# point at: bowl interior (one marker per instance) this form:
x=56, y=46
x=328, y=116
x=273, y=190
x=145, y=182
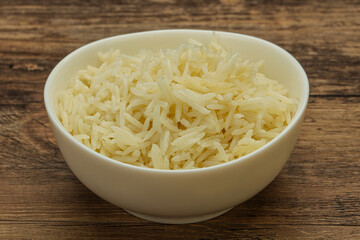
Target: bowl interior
x=278, y=64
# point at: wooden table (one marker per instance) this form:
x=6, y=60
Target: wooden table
x=316, y=196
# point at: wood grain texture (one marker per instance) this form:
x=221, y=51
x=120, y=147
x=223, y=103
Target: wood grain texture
x=316, y=196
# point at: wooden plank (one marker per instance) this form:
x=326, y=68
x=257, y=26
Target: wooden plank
x=317, y=232
x=131, y=230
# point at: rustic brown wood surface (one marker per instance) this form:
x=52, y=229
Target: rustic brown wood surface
x=316, y=196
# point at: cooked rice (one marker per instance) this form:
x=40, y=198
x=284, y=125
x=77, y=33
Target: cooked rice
x=191, y=107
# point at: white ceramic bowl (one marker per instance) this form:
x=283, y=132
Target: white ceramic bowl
x=180, y=196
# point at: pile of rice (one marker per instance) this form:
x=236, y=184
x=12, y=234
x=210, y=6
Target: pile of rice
x=191, y=107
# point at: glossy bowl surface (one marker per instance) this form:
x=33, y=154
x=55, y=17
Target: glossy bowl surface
x=180, y=196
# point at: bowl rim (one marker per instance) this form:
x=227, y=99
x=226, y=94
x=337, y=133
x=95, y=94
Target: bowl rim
x=56, y=123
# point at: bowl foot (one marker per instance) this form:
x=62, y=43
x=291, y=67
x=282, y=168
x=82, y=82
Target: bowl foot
x=178, y=220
